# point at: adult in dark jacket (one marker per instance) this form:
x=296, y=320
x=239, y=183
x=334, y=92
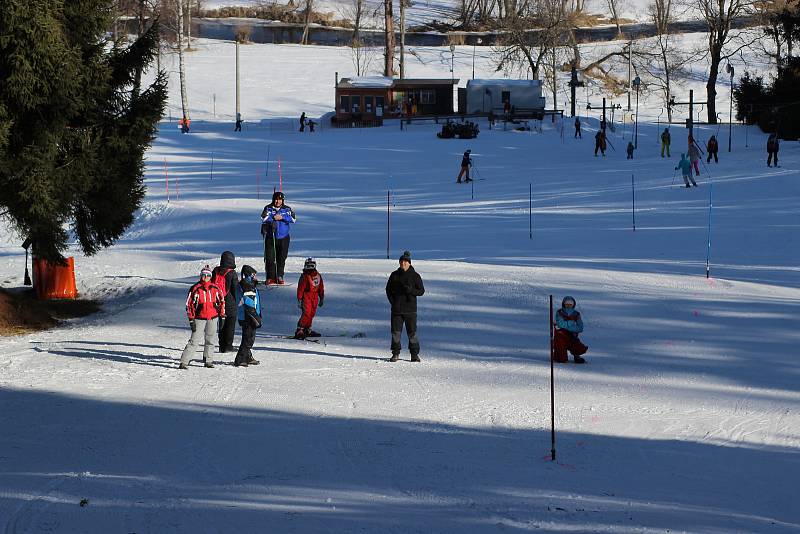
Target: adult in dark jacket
x=466, y=163
x=402, y=290
x=712, y=149
x=275, y=220
x=773, y=145
x=227, y=271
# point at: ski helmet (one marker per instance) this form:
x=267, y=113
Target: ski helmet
x=569, y=300
x=248, y=271
x=278, y=195
x=310, y=264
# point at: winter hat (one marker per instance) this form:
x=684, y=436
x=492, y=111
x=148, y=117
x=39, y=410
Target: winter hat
x=278, y=195
x=248, y=271
x=309, y=265
x=406, y=256
x=227, y=260
x=566, y=300
x=205, y=271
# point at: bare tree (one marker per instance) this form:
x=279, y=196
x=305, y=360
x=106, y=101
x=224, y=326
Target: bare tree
x=354, y=11
x=171, y=13
x=362, y=56
x=613, y=9
x=719, y=16
x=308, y=9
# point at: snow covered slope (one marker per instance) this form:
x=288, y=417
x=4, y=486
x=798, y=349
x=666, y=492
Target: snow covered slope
x=684, y=420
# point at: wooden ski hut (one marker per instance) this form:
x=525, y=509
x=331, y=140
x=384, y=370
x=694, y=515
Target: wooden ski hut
x=367, y=100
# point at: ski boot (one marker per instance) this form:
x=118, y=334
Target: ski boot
x=252, y=361
x=415, y=358
x=300, y=334
x=280, y=281
x=579, y=359
x=394, y=357
x=311, y=333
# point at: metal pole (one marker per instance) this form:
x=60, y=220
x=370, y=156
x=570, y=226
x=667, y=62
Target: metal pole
x=237, y=79
x=402, y=39
x=630, y=51
x=388, y=220
x=552, y=394
x=710, y=206
x=636, y=139
x=730, y=113
x=530, y=210
x=473, y=60
x=633, y=203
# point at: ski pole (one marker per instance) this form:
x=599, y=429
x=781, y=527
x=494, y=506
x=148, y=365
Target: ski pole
x=633, y=203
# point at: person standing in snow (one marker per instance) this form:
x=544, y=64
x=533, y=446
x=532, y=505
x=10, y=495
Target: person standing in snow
x=402, y=290
x=665, y=141
x=686, y=171
x=773, y=145
x=275, y=220
x=600, y=142
x=578, y=128
x=238, y=127
x=248, y=315
x=303, y=121
x=204, y=305
x=712, y=147
x=310, y=294
x=694, y=158
x=466, y=163
x=224, y=277
x=568, y=325
x=630, y=150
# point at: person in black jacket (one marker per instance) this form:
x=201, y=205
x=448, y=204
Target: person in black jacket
x=227, y=271
x=402, y=290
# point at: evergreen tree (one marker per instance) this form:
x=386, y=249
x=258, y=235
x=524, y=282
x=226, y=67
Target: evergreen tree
x=74, y=123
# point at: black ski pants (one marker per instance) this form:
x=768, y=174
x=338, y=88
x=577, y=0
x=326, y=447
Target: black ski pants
x=410, y=320
x=712, y=155
x=245, y=354
x=770, y=156
x=227, y=329
x=275, y=252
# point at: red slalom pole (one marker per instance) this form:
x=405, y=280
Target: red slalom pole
x=552, y=394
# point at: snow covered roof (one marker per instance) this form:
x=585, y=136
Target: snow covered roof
x=494, y=82
x=369, y=81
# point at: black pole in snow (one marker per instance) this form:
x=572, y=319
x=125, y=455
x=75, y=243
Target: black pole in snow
x=530, y=210
x=388, y=220
x=552, y=394
x=212, y=165
x=633, y=204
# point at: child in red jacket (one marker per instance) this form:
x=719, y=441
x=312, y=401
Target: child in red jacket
x=204, y=305
x=310, y=292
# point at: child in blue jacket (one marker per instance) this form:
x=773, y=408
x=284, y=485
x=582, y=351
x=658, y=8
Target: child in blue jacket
x=686, y=170
x=248, y=315
x=568, y=325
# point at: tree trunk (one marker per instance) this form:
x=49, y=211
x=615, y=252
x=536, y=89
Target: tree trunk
x=307, y=21
x=189, y=24
x=181, y=63
x=711, y=85
x=388, y=68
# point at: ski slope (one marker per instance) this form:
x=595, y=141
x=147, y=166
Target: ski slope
x=684, y=420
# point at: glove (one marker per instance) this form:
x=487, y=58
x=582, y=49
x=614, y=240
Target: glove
x=192, y=325
x=300, y=304
x=321, y=301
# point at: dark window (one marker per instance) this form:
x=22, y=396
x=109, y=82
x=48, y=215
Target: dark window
x=356, y=103
x=505, y=96
x=427, y=96
x=368, y=104
x=344, y=103
x=379, y=102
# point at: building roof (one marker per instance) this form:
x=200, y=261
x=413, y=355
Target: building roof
x=384, y=82
x=505, y=82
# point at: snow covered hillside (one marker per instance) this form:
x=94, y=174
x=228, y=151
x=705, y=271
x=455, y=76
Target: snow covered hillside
x=685, y=419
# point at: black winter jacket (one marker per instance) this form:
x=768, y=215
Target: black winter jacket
x=402, y=290
x=228, y=261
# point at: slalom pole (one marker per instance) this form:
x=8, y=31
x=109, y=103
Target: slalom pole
x=552, y=394
x=212, y=165
x=388, y=220
x=177, y=188
x=472, y=189
x=280, y=176
x=258, y=183
x=633, y=203
x=710, y=209
x=266, y=173
x=530, y=210
x=166, y=178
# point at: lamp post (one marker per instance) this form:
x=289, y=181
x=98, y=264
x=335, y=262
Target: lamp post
x=452, y=61
x=729, y=69
x=479, y=41
x=637, y=82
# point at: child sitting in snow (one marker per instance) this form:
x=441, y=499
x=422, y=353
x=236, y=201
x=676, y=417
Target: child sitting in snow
x=310, y=292
x=568, y=325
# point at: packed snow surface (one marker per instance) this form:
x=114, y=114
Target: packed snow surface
x=685, y=419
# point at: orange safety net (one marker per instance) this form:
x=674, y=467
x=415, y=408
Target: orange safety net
x=54, y=281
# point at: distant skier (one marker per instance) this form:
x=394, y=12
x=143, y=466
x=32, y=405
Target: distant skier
x=466, y=163
x=311, y=125
x=248, y=315
x=275, y=220
x=694, y=158
x=402, y=290
x=630, y=150
x=600, y=142
x=578, y=128
x=310, y=294
x=773, y=145
x=686, y=171
x=568, y=325
x=712, y=148
x=303, y=121
x=665, y=141
x=204, y=305
x=224, y=277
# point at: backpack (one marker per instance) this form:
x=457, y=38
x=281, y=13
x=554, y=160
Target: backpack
x=219, y=279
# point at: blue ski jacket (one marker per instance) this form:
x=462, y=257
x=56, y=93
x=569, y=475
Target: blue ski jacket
x=280, y=229
x=570, y=321
x=248, y=299
x=684, y=165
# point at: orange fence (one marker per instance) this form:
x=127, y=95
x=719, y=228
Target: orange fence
x=54, y=281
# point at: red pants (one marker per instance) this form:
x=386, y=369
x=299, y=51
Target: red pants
x=563, y=341
x=309, y=311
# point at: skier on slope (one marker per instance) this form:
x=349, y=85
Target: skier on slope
x=665, y=141
x=600, y=142
x=224, y=277
x=310, y=293
x=402, y=290
x=204, y=305
x=466, y=163
x=275, y=220
x=712, y=148
x=773, y=145
x=248, y=314
x=694, y=158
x=578, y=128
x=568, y=325
x=630, y=150
x=686, y=171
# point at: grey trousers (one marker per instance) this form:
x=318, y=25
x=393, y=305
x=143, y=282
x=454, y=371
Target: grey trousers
x=205, y=329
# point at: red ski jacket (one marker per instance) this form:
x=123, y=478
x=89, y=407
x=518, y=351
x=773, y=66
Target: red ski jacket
x=205, y=301
x=310, y=285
